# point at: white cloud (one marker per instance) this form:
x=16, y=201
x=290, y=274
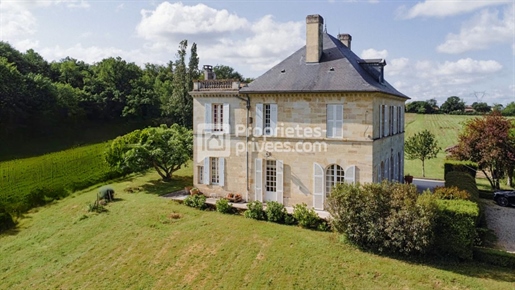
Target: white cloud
x=439, y=8
x=372, y=53
x=425, y=79
x=15, y=21
x=222, y=37
x=481, y=32
x=177, y=20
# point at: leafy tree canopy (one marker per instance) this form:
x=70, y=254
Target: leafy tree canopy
x=421, y=107
x=453, y=104
x=481, y=107
x=489, y=141
x=163, y=148
x=509, y=110
x=422, y=146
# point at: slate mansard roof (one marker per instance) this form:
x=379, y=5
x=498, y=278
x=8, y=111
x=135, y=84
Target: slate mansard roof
x=339, y=70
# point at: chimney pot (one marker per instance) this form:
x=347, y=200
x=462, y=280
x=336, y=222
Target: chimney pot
x=314, y=38
x=345, y=39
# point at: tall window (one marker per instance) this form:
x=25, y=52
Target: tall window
x=200, y=174
x=334, y=121
x=267, y=119
x=271, y=176
x=215, y=170
x=333, y=175
x=390, y=121
x=218, y=117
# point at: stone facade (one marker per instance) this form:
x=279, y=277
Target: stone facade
x=306, y=143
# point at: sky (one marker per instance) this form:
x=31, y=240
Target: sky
x=434, y=49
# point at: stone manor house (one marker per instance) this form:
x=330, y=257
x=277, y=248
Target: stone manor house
x=321, y=116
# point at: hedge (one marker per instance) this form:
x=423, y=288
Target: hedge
x=460, y=166
x=455, y=229
x=6, y=220
x=463, y=181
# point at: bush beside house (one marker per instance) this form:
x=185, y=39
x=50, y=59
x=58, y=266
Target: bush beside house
x=463, y=181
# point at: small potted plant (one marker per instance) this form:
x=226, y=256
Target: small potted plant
x=408, y=178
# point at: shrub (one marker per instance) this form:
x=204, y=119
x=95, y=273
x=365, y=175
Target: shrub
x=455, y=230
x=462, y=181
x=289, y=219
x=196, y=201
x=306, y=218
x=386, y=217
x=460, y=166
x=451, y=193
x=6, y=220
x=223, y=206
x=275, y=212
x=255, y=211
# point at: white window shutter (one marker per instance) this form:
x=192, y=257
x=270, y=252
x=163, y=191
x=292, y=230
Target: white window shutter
x=221, y=171
x=330, y=121
x=387, y=169
x=318, y=186
x=395, y=176
x=338, y=121
x=395, y=120
x=350, y=174
x=280, y=181
x=208, y=121
x=259, y=179
x=273, y=118
x=259, y=120
x=386, y=120
x=206, y=171
x=402, y=118
x=225, y=116
x=381, y=120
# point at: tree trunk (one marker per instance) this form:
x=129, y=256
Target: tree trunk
x=423, y=169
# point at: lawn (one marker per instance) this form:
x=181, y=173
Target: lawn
x=136, y=245
x=446, y=129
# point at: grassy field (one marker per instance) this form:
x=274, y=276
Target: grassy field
x=446, y=128
x=136, y=245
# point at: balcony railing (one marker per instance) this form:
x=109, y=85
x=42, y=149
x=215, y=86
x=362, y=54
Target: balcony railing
x=216, y=85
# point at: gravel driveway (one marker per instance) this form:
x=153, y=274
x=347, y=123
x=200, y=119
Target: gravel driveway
x=502, y=221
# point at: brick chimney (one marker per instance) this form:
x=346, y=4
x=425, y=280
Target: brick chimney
x=314, y=38
x=209, y=74
x=345, y=39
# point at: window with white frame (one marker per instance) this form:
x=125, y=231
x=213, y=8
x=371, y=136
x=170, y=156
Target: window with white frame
x=200, y=174
x=271, y=176
x=266, y=118
x=215, y=170
x=218, y=117
x=334, y=174
x=334, y=121
x=382, y=116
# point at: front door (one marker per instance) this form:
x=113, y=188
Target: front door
x=271, y=180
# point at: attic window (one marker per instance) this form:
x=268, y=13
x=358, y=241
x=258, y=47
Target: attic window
x=283, y=71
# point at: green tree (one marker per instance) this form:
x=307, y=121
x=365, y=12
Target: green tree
x=509, y=110
x=163, y=148
x=421, y=107
x=489, y=141
x=422, y=146
x=481, y=107
x=453, y=104
x=226, y=72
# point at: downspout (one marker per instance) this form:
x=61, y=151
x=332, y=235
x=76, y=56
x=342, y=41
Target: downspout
x=247, y=100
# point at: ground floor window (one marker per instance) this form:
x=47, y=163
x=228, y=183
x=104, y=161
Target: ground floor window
x=200, y=174
x=215, y=170
x=271, y=176
x=334, y=174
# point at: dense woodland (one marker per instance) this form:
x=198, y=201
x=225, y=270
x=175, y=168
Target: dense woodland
x=37, y=95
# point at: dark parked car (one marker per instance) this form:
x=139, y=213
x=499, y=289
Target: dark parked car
x=505, y=197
